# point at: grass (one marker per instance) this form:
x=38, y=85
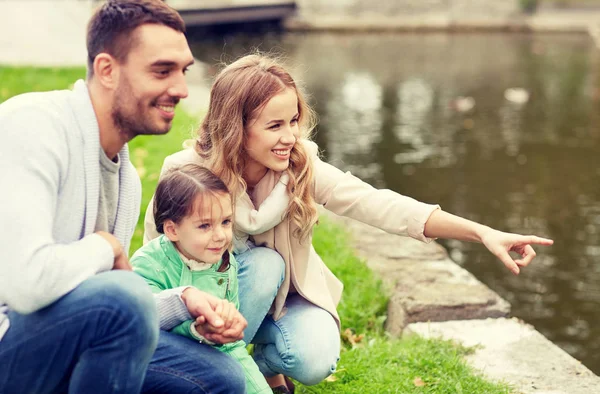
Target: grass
x=370, y=361
x=148, y=153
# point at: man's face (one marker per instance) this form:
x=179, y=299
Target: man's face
x=151, y=81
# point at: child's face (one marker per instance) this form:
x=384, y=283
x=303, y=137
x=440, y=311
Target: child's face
x=206, y=234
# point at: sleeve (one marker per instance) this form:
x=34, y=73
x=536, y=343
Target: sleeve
x=184, y=329
x=171, y=308
x=344, y=194
x=268, y=215
x=35, y=269
x=148, y=269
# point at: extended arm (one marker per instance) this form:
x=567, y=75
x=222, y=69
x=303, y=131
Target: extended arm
x=346, y=195
x=445, y=225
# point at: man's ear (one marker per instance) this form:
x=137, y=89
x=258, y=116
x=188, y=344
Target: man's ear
x=106, y=70
x=170, y=230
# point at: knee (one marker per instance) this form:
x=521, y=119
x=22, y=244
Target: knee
x=235, y=383
x=270, y=266
x=126, y=299
x=309, y=368
x=233, y=379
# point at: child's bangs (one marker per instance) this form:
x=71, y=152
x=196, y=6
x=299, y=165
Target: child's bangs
x=208, y=204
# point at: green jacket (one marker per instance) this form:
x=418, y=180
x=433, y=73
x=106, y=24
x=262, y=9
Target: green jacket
x=160, y=264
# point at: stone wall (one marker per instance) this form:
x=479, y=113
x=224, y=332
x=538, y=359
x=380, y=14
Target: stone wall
x=403, y=8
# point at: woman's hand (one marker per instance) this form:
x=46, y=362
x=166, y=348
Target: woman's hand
x=500, y=243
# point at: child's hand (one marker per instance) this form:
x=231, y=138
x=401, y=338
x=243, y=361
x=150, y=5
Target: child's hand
x=200, y=303
x=232, y=330
x=227, y=312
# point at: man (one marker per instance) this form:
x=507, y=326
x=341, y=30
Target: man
x=73, y=317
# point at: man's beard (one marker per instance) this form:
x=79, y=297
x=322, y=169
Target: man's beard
x=136, y=122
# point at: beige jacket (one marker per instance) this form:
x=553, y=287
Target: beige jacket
x=339, y=192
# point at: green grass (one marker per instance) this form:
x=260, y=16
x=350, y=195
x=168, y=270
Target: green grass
x=148, y=153
x=17, y=80
x=370, y=361
x=379, y=364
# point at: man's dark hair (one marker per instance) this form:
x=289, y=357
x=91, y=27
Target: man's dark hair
x=109, y=29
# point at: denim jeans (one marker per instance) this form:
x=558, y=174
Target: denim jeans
x=305, y=343
x=181, y=365
x=260, y=273
x=99, y=338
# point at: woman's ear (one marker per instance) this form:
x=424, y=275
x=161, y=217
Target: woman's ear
x=170, y=230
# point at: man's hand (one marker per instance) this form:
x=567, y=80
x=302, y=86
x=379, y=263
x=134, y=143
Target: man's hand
x=216, y=319
x=121, y=261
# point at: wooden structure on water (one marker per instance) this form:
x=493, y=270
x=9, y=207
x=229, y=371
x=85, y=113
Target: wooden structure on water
x=216, y=12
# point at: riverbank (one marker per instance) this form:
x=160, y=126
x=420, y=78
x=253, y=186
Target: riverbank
x=435, y=298
x=49, y=53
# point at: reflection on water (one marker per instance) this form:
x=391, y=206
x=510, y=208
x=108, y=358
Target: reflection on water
x=387, y=108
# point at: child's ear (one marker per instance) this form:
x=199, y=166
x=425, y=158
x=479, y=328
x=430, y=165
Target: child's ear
x=170, y=230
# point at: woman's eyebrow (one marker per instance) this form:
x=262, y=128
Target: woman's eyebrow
x=281, y=120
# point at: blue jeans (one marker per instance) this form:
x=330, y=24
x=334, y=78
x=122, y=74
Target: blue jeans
x=181, y=365
x=101, y=338
x=305, y=343
x=260, y=273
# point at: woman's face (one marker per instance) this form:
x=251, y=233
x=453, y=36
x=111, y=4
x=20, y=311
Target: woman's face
x=271, y=135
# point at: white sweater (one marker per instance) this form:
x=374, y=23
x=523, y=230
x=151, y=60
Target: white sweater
x=50, y=177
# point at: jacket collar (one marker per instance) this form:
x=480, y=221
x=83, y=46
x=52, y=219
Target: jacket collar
x=90, y=134
x=85, y=116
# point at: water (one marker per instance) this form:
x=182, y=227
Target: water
x=385, y=103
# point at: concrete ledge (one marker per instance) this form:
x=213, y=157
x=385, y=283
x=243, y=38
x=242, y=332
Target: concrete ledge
x=433, y=297
x=440, y=291
x=426, y=285
x=512, y=351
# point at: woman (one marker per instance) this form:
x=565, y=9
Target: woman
x=257, y=129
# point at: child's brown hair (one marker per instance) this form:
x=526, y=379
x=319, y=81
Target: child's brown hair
x=178, y=191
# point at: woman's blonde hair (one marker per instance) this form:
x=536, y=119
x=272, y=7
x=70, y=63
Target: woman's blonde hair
x=238, y=94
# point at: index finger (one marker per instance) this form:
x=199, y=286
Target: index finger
x=534, y=239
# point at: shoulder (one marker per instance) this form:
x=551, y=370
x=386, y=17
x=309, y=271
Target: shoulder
x=54, y=104
x=185, y=156
x=150, y=254
x=31, y=108
x=38, y=124
x=312, y=149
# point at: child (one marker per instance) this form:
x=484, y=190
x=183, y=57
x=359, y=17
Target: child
x=193, y=212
